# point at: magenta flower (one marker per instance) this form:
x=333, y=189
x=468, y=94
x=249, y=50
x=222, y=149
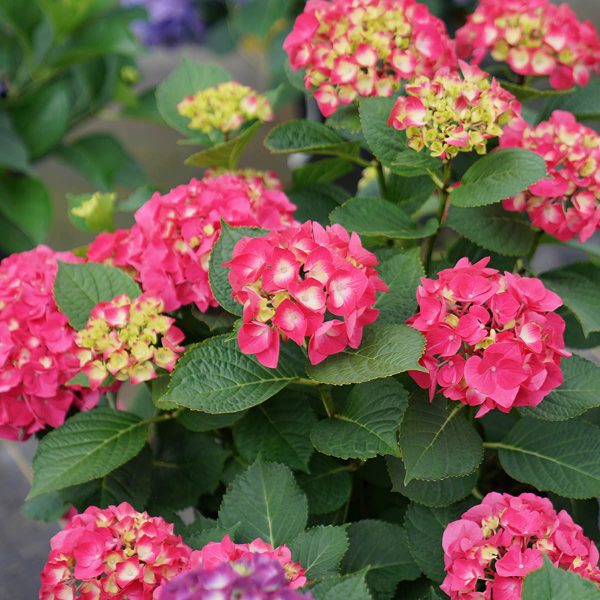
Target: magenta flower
x=495, y=544
x=493, y=341
x=567, y=203
x=290, y=282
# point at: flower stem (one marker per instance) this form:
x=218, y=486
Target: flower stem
x=444, y=200
x=327, y=399
x=381, y=179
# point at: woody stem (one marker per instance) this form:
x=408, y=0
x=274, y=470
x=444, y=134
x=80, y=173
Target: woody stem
x=444, y=200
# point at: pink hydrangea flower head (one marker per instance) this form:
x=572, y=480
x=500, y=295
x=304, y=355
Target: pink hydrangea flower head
x=128, y=339
x=534, y=37
x=168, y=248
x=494, y=545
x=450, y=113
x=290, y=281
x=493, y=340
x=38, y=354
x=225, y=108
x=115, y=552
x=567, y=203
x=356, y=48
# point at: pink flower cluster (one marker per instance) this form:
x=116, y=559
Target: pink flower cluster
x=535, y=37
x=167, y=249
x=289, y=281
x=353, y=48
x=567, y=203
x=38, y=355
x=493, y=340
x=112, y=553
x=495, y=544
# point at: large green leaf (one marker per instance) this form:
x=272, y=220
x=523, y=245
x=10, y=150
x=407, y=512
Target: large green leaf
x=493, y=228
x=378, y=217
x=66, y=16
x=267, y=503
x=350, y=587
x=325, y=170
x=88, y=446
x=277, y=430
x=367, y=425
x=579, y=392
x=584, y=103
x=92, y=212
x=257, y=18
x=382, y=549
x=402, y=273
x=79, y=287
x=437, y=441
x=578, y=287
x=498, y=176
x=430, y=493
x=195, y=420
x=215, y=377
x=551, y=583
x=385, y=350
x=555, y=457
x=320, y=550
x=315, y=201
x=13, y=153
x=222, y=252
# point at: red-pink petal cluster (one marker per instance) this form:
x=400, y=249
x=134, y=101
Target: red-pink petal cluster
x=115, y=552
x=535, y=37
x=353, y=48
x=38, y=355
x=493, y=340
x=567, y=203
x=450, y=113
x=495, y=544
x=290, y=282
x=167, y=249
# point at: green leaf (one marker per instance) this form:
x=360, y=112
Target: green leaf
x=430, y=493
x=378, y=217
x=493, y=228
x=13, y=153
x=402, y=273
x=46, y=507
x=551, y=583
x=25, y=213
x=315, y=201
x=222, y=252
x=463, y=247
x=194, y=420
x=382, y=549
x=88, y=446
x=258, y=17
x=498, y=176
x=300, y=135
x=215, y=377
x=526, y=92
x=345, y=119
x=385, y=350
x=227, y=154
x=92, y=212
x=350, y=587
x=324, y=170
x=367, y=425
x=437, y=441
x=578, y=393
x=277, y=430
x=578, y=287
x=267, y=503
x=79, y=287
x=555, y=457
x=320, y=550
x=186, y=80
x=66, y=16
x=328, y=485
x=584, y=103
x=424, y=529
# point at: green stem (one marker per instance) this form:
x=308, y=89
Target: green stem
x=304, y=381
x=477, y=494
x=327, y=400
x=495, y=446
x=381, y=179
x=165, y=416
x=444, y=199
x=534, y=247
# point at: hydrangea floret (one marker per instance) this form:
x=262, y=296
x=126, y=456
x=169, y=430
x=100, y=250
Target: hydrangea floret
x=493, y=340
x=128, y=339
x=448, y=114
x=225, y=108
x=38, y=354
x=354, y=48
x=291, y=283
x=535, y=38
x=567, y=203
x=494, y=545
x=115, y=552
x=168, y=248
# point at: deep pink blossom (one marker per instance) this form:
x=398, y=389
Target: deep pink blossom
x=167, y=249
x=535, y=37
x=494, y=545
x=493, y=340
x=345, y=59
x=567, y=203
x=290, y=280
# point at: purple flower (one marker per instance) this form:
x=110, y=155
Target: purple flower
x=258, y=578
